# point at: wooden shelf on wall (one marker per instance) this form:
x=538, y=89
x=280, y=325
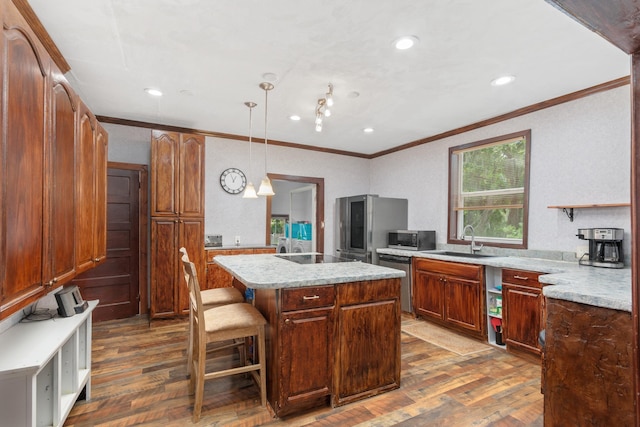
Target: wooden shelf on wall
x=568, y=209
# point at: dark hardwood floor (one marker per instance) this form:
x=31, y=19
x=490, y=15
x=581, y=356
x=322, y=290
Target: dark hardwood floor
x=139, y=378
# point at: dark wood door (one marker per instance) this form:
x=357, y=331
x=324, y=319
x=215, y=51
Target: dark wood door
x=24, y=134
x=521, y=312
x=164, y=171
x=62, y=224
x=115, y=282
x=463, y=303
x=85, y=189
x=101, y=201
x=164, y=266
x=191, y=181
x=368, y=349
x=306, y=358
x=191, y=237
x=428, y=294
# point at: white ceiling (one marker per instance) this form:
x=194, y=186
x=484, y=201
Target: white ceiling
x=208, y=57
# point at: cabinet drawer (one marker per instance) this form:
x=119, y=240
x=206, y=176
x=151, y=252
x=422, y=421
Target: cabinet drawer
x=521, y=277
x=308, y=297
x=464, y=271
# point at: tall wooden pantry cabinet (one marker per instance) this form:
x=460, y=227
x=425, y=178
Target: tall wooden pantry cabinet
x=177, y=217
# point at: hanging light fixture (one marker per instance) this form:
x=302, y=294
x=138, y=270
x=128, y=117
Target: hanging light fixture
x=265, y=186
x=329, y=96
x=322, y=108
x=319, y=114
x=250, y=190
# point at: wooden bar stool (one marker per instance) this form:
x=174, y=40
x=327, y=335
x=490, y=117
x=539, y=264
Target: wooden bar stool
x=210, y=298
x=231, y=322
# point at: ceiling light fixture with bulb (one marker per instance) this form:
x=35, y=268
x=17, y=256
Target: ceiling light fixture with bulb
x=265, y=186
x=322, y=108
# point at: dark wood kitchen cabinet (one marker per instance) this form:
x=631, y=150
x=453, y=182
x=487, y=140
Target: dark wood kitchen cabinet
x=177, y=174
x=299, y=346
x=39, y=224
x=522, y=310
x=451, y=294
x=62, y=267
x=91, y=191
x=169, y=293
x=368, y=333
x=331, y=344
x=177, y=210
x=24, y=139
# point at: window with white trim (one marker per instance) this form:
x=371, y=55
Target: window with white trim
x=489, y=190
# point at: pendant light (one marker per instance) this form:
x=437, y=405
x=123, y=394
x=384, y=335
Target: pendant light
x=265, y=186
x=250, y=191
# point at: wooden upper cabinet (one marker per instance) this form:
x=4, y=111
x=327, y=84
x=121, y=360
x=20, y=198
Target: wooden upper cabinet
x=62, y=209
x=191, y=176
x=91, y=191
x=85, y=189
x=100, y=205
x=24, y=125
x=177, y=174
x=164, y=173
x=48, y=171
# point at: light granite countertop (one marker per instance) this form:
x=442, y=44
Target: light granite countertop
x=600, y=287
x=267, y=271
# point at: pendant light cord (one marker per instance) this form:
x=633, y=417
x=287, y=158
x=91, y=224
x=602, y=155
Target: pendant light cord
x=266, y=94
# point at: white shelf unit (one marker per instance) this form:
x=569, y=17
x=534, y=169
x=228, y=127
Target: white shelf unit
x=493, y=280
x=44, y=366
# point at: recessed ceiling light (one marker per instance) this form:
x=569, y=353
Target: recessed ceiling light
x=353, y=94
x=502, y=80
x=294, y=117
x=270, y=77
x=153, y=92
x=367, y=130
x=405, y=42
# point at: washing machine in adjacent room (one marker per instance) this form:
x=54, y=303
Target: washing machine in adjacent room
x=283, y=245
x=296, y=246
x=299, y=246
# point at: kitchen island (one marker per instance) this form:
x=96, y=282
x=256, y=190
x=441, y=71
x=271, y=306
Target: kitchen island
x=333, y=333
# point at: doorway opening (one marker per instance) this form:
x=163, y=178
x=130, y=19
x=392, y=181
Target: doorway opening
x=296, y=213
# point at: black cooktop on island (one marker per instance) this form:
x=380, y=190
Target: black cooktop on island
x=313, y=258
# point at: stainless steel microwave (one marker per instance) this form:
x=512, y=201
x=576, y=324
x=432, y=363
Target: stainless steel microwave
x=412, y=240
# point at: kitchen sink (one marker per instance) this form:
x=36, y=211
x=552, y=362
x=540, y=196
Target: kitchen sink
x=461, y=254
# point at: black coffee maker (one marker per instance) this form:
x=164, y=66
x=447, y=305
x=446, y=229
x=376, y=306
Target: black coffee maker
x=605, y=247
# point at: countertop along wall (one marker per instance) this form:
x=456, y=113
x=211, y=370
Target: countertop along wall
x=580, y=154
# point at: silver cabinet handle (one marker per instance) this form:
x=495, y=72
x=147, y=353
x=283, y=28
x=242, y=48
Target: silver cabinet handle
x=521, y=277
x=306, y=298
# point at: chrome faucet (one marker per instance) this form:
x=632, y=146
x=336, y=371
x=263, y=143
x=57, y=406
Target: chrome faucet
x=473, y=247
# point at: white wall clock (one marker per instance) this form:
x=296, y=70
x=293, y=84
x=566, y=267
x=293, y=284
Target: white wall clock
x=233, y=180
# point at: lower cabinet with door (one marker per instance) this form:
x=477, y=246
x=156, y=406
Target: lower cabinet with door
x=330, y=344
x=451, y=294
x=522, y=311
x=169, y=293
x=299, y=346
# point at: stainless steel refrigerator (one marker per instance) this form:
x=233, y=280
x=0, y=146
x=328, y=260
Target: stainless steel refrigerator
x=363, y=223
